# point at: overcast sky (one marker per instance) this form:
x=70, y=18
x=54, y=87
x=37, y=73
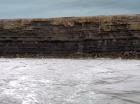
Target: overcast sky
x=64, y=8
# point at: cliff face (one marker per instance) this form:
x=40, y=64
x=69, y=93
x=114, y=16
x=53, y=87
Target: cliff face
x=117, y=36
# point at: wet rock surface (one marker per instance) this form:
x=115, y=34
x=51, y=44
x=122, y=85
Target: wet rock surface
x=115, y=36
x=69, y=81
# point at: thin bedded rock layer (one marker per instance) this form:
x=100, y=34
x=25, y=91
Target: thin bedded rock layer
x=100, y=36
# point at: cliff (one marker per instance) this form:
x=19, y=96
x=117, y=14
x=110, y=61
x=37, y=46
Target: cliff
x=98, y=36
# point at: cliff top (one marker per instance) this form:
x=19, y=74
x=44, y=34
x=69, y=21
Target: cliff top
x=68, y=21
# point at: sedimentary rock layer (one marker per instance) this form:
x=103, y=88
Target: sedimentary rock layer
x=115, y=36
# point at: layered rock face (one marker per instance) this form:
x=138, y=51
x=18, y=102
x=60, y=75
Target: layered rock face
x=115, y=36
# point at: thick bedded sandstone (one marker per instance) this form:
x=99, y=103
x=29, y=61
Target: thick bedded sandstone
x=115, y=36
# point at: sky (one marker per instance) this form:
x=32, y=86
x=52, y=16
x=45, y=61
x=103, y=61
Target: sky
x=66, y=8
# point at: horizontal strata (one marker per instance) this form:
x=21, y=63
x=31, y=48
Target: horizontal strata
x=100, y=36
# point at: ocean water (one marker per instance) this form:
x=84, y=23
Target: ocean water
x=69, y=81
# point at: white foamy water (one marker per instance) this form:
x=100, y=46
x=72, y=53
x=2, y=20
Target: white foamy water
x=69, y=81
